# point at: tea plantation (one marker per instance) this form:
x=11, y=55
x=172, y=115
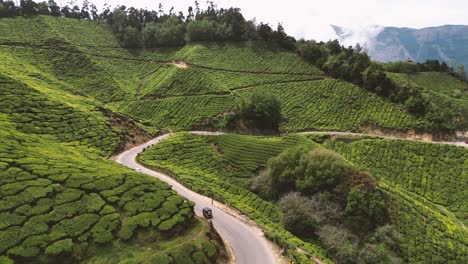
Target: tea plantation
x=424, y=184
x=427, y=186
x=222, y=167
x=146, y=85
x=61, y=200
x=447, y=90
x=57, y=201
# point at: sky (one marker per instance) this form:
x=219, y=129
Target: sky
x=311, y=19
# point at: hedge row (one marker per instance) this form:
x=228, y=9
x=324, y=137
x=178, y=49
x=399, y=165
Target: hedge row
x=36, y=113
x=54, y=198
x=334, y=106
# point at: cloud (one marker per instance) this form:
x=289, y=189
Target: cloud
x=364, y=35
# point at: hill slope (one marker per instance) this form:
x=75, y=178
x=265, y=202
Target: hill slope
x=446, y=91
x=59, y=92
x=423, y=183
x=61, y=200
x=147, y=85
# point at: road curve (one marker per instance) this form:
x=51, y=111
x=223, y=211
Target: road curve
x=248, y=243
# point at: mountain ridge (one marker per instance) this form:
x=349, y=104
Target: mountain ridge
x=444, y=43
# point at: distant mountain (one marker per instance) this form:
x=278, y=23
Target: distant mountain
x=446, y=43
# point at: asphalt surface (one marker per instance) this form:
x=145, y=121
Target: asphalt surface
x=248, y=243
x=459, y=143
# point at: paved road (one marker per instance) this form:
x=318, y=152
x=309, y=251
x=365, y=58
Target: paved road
x=336, y=133
x=248, y=243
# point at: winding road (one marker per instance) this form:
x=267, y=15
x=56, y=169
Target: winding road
x=247, y=242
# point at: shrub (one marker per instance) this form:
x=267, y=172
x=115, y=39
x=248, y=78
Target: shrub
x=320, y=169
x=59, y=247
x=298, y=215
x=162, y=259
x=282, y=169
x=209, y=248
x=262, y=111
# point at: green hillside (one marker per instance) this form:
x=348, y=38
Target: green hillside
x=61, y=200
x=424, y=183
x=446, y=90
x=427, y=187
x=146, y=85
x=222, y=167
x=71, y=96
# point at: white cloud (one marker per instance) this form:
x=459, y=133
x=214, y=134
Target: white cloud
x=312, y=18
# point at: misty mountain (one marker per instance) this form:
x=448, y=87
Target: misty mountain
x=445, y=43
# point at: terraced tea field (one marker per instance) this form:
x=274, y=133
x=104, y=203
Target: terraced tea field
x=245, y=57
x=426, y=184
x=221, y=167
x=55, y=199
x=145, y=85
x=447, y=90
x=60, y=199
x=333, y=105
x=422, y=181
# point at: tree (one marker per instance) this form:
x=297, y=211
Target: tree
x=43, y=9
x=28, y=7
x=462, y=72
x=297, y=213
x=7, y=8
x=282, y=170
x=84, y=13
x=312, y=52
x=365, y=211
x=334, y=47
x=262, y=111
x=201, y=30
x=131, y=38
x=264, y=31
x=171, y=32
x=388, y=236
x=54, y=8
x=320, y=169
x=339, y=241
x=376, y=253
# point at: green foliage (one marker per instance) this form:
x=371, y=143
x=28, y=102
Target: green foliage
x=204, y=30
x=320, y=169
x=365, y=211
x=423, y=184
x=448, y=96
x=168, y=33
x=297, y=212
x=178, y=113
x=282, y=169
x=54, y=197
x=333, y=105
x=59, y=247
x=253, y=56
x=222, y=167
x=261, y=111
x=34, y=113
x=306, y=171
